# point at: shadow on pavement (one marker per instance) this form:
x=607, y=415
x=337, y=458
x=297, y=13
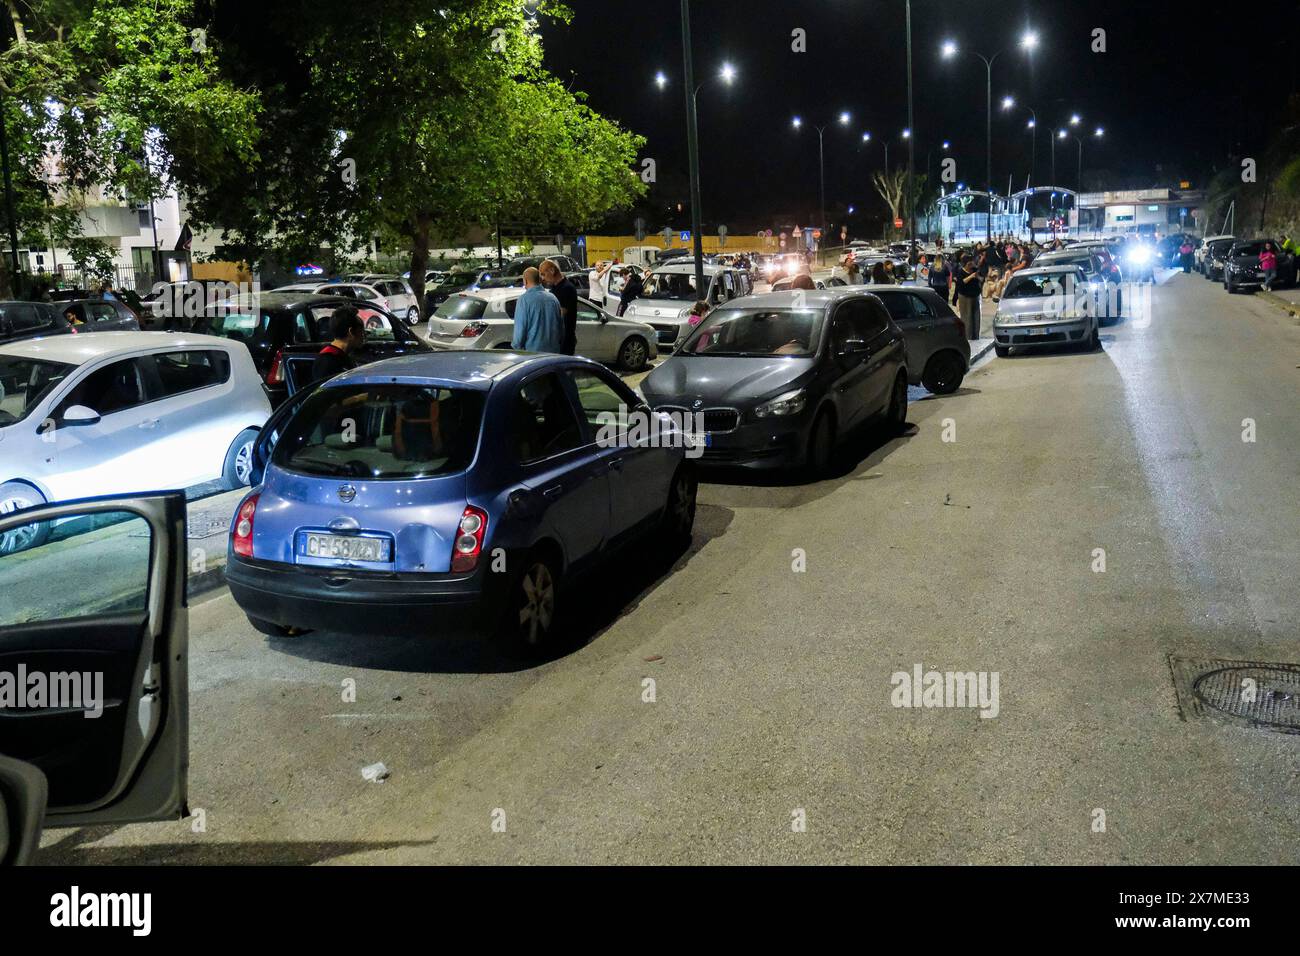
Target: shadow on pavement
x=592, y=603
x=75, y=851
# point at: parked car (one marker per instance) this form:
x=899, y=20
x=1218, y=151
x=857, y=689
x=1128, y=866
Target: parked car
x=486, y=320
x=670, y=292
x=1046, y=306
x=1215, y=259
x=457, y=490
x=101, y=315
x=26, y=320
x=125, y=619
x=399, y=295
x=360, y=292
x=285, y=330
x=123, y=412
x=938, y=351
x=127, y=297
x=457, y=280
x=1097, y=268
x=1241, y=268
x=781, y=377
x=1200, y=257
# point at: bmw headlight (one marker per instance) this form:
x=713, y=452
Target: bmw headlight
x=790, y=403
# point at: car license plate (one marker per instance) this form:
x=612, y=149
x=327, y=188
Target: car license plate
x=696, y=440
x=345, y=547
x=1040, y=330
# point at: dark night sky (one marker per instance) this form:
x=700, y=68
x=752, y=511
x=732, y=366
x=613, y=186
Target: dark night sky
x=1180, y=85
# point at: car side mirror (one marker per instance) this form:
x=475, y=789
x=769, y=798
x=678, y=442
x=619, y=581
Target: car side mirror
x=80, y=415
x=852, y=346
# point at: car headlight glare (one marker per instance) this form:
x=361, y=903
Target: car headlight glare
x=790, y=403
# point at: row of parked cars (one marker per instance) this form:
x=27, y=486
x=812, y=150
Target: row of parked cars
x=1235, y=262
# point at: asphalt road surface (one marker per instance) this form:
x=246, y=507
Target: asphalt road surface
x=772, y=736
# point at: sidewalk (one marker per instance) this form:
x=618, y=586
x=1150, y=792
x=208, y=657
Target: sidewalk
x=207, y=527
x=1288, y=299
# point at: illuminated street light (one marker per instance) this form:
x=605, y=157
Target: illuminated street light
x=1029, y=41
x=844, y=119
x=728, y=73
x=1008, y=102
x=1074, y=120
x=660, y=80
x=797, y=122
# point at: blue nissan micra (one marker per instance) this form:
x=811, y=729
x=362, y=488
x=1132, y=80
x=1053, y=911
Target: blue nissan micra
x=449, y=491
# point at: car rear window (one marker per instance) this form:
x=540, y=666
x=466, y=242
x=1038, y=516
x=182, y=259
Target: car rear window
x=241, y=326
x=385, y=431
x=462, y=308
x=1027, y=287
x=21, y=317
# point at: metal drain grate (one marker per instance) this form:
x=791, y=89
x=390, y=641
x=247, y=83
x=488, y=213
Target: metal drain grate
x=1250, y=692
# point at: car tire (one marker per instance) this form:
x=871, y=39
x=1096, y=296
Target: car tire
x=1001, y=351
x=896, y=411
x=15, y=496
x=412, y=315
x=633, y=354
x=1228, y=287
x=275, y=630
x=678, y=523
x=943, y=373
x=1094, y=343
x=528, y=620
x=238, y=468
x=821, y=444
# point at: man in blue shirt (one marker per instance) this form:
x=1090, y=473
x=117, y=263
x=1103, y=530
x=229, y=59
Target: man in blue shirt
x=538, y=326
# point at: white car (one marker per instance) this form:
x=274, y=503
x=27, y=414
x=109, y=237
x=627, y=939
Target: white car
x=123, y=412
x=669, y=293
x=485, y=320
x=1198, y=257
x=362, y=292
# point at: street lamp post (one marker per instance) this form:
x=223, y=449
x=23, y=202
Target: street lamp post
x=1009, y=103
x=911, y=193
x=843, y=120
x=1027, y=42
x=692, y=144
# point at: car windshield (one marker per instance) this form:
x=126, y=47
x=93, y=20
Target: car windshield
x=1249, y=248
x=517, y=267
x=459, y=279
x=671, y=285
x=464, y=308
x=24, y=383
x=755, y=333
x=1026, y=287
x=382, y=431
x=1084, y=261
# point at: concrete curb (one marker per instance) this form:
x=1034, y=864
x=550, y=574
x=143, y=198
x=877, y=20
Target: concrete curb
x=983, y=350
x=1291, y=308
x=207, y=580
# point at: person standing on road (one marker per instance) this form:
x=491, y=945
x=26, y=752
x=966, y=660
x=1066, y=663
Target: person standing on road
x=596, y=283
x=879, y=275
x=1268, y=264
x=632, y=288
x=538, y=326
x=940, y=277
x=1185, y=255
x=347, y=334
x=567, y=294
x=967, y=296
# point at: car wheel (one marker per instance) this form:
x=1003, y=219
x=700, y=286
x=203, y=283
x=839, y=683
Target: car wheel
x=1001, y=351
x=634, y=354
x=1094, y=343
x=15, y=496
x=679, y=514
x=896, y=417
x=1228, y=287
x=821, y=444
x=239, y=460
x=275, y=630
x=412, y=315
x=943, y=373
x=530, y=618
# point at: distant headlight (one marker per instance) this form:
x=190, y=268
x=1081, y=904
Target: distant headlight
x=1140, y=256
x=791, y=403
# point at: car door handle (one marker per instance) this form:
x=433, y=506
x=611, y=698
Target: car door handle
x=616, y=464
x=149, y=423
x=552, y=492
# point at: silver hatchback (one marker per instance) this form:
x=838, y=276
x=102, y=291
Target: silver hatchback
x=1048, y=306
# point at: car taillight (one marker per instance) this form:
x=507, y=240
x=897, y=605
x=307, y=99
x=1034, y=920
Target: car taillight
x=473, y=330
x=276, y=375
x=469, y=539
x=241, y=541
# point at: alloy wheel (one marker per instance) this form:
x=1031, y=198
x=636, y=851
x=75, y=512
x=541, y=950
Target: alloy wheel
x=20, y=538
x=537, y=610
x=244, y=463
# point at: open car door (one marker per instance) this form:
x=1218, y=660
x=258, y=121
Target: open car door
x=94, y=663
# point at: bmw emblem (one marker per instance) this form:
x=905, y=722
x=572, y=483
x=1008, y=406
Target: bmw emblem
x=347, y=492
x=697, y=403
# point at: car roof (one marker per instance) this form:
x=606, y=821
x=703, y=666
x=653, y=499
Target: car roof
x=786, y=299
x=80, y=349
x=279, y=300
x=469, y=368
x=1046, y=270
x=688, y=266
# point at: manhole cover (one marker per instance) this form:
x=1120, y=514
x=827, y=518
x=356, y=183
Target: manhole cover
x=1265, y=695
x=1253, y=693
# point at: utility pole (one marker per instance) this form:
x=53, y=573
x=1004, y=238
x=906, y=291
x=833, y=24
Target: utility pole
x=911, y=141
x=692, y=147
